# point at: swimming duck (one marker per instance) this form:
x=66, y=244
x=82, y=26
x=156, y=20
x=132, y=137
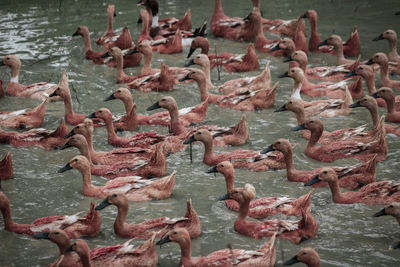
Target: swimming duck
x=382, y=60
x=255, y=83
x=263, y=257
x=143, y=139
x=14, y=88
x=294, y=231
x=109, y=34
x=350, y=176
x=337, y=43
x=393, y=107
x=391, y=36
x=308, y=256
x=342, y=149
x=23, y=119
x=74, y=225
x=394, y=210
x=284, y=46
x=116, y=255
x=317, y=73
x=135, y=188
x=382, y=192
x=6, y=167
x=247, y=100
x=265, y=206
x=190, y=221
x=123, y=41
x=204, y=45
x=221, y=23
x=247, y=159
x=99, y=58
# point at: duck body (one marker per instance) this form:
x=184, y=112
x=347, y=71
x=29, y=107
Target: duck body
x=242, y=63
x=263, y=257
x=221, y=23
x=74, y=225
x=383, y=61
x=24, y=119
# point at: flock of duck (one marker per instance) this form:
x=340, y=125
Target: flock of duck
x=137, y=167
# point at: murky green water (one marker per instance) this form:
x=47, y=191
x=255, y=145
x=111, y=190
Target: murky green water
x=41, y=30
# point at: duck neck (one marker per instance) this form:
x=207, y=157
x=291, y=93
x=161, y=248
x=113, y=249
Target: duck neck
x=296, y=90
x=145, y=26
x=300, y=116
x=384, y=70
x=120, y=66
x=88, y=187
x=110, y=128
x=337, y=196
x=63, y=245
x=205, y=47
x=392, y=46
x=315, y=136
x=85, y=259
x=121, y=216
x=218, y=6
x=373, y=111
x=8, y=221
x=185, y=251
x=148, y=56
x=90, y=143
x=15, y=74
x=128, y=103
x=86, y=40
x=208, y=149
x=313, y=25
x=85, y=152
x=390, y=104
x=229, y=180
x=203, y=88
x=110, y=22
x=369, y=79
x=244, y=210
x=68, y=104
x=339, y=53
x=289, y=162
x=176, y=126
x=206, y=69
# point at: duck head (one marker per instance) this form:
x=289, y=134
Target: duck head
x=224, y=168
x=84, y=128
x=284, y=44
x=114, y=52
x=177, y=235
x=120, y=93
x=102, y=113
x=385, y=93
x=390, y=209
x=281, y=144
x=333, y=40
x=82, y=31
x=201, y=135
x=364, y=71
x=57, y=236
x=113, y=199
x=293, y=105
x=326, y=174
x=200, y=59
x=295, y=73
x=307, y=256
x=78, y=162
x=367, y=101
x=11, y=61
x=310, y=14
x=166, y=102
x=378, y=58
x=77, y=140
x=312, y=124
x=241, y=194
x=199, y=42
x=388, y=35
x=80, y=247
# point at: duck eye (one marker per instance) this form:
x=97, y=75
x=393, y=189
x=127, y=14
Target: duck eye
x=8, y=58
x=114, y=195
x=292, y=71
x=279, y=142
x=387, y=32
x=324, y=172
x=57, y=233
x=100, y=111
x=119, y=91
x=222, y=165
x=361, y=68
x=163, y=99
x=76, y=160
x=290, y=102
x=198, y=57
x=304, y=253
x=390, y=206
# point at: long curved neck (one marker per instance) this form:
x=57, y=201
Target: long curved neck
x=390, y=104
x=384, y=70
x=128, y=103
x=339, y=53
x=313, y=25
x=337, y=195
x=392, y=46
x=85, y=152
x=369, y=79
x=289, y=162
x=145, y=27
x=373, y=111
x=315, y=136
x=68, y=104
x=120, y=66
x=229, y=181
x=203, y=88
x=176, y=127
x=85, y=259
x=121, y=216
x=88, y=187
x=86, y=40
x=147, y=62
x=8, y=221
x=218, y=6
x=208, y=149
x=110, y=22
x=15, y=73
x=298, y=83
x=110, y=127
x=244, y=210
x=88, y=137
x=185, y=250
x=300, y=116
x=63, y=246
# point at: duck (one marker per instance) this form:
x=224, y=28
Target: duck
x=246, y=100
x=342, y=149
x=23, y=119
x=39, y=91
x=382, y=60
x=294, y=231
x=337, y=43
x=308, y=256
x=190, y=221
x=221, y=23
x=297, y=107
x=317, y=73
x=367, y=73
x=124, y=254
x=264, y=256
x=254, y=83
x=302, y=85
x=106, y=158
x=144, y=139
x=99, y=58
x=351, y=48
x=382, y=192
x=265, y=206
x=38, y=137
x=350, y=176
x=284, y=47
x=135, y=188
x=370, y=103
x=204, y=62
x=74, y=225
x=392, y=209
x=109, y=34
x=117, y=255
x=247, y=159
x=393, y=107
x=6, y=167
x=391, y=36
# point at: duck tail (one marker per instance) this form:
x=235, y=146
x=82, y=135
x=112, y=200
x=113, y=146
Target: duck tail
x=304, y=202
x=61, y=130
x=242, y=128
x=165, y=185
x=193, y=218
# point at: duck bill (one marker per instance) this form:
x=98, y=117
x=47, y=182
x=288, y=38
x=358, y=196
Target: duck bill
x=103, y=204
x=283, y=108
x=44, y=235
x=190, y=63
x=292, y=261
x=397, y=244
x=288, y=59
x=375, y=95
x=313, y=181
x=153, y=107
x=69, y=249
x=224, y=197
x=380, y=213
x=212, y=169
x=189, y=140
x=284, y=75
x=304, y=16
x=134, y=51
x=191, y=52
x=275, y=48
x=184, y=78
x=350, y=74
x=110, y=97
x=66, y=145
x=65, y=168
x=355, y=105
x=322, y=43
x=377, y=38
x=268, y=149
x=71, y=133
x=2, y=63
x=163, y=241
x=105, y=55
x=91, y=115
x=246, y=19
x=54, y=93
x=75, y=33
x=299, y=127
x=370, y=62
